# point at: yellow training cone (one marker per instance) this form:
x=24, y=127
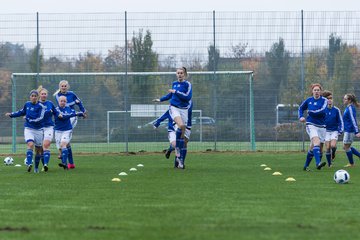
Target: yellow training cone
x=277, y=174
x=290, y=179
x=116, y=180
x=263, y=165
x=267, y=169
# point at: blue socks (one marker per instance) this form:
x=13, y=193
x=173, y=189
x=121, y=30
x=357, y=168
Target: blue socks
x=64, y=155
x=70, y=156
x=171, y=148
x=355, y=152
x=317, y=154
x=46, y=157
x=309, y=157
x=29, y=156
x=179, y=143
x=349, y=155
x=37, y=161
x=328, y=158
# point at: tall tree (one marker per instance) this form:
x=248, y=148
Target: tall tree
x=334, y=47
x=277, y=60
x=115, y=60
x=142, y=57
x=33, y=60
x=214, y=55
x=343, y=69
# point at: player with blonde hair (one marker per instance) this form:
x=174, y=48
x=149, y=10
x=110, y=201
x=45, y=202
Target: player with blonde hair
x=72, y=100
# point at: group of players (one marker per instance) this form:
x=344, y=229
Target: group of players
x=42, y=118
x=324, y=123
x=179, y=117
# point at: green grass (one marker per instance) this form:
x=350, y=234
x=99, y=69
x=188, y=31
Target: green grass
x=159, y=146
x=218, y=196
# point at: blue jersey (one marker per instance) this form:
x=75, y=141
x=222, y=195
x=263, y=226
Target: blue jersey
x=49, y=112
x=350, y=123
x=334, y=121
x=316, y=109
x=182, y=96
x=72, y=100
x=64, y=123
x=34, y=114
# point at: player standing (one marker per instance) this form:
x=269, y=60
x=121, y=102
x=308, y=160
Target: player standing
x=48, y=128
x=334, y=127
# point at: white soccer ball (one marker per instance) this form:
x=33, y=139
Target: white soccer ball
x=8, y=161
x=341, y=176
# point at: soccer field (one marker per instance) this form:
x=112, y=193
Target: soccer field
x=218, y=196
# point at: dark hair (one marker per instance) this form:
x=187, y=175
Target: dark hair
x=185, y=71
x=352, y=98
x=326, y=93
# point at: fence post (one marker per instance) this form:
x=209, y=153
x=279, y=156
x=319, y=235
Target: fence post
x=214, y=82
x=13, y=107
x=252, y=120
x=302, y=75
x=126, y=88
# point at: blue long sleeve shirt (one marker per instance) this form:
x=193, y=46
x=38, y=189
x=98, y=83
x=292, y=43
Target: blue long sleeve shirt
x=316, y=109
x=182, y=96
x=64, y=123
x=72, y=100
x=34, y=114
x=334, y=120
x=49, y=112
x=349, y=117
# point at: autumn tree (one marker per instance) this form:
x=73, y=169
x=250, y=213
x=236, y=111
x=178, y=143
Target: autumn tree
x=334, y=47
x=277, y=61
x=142, y=57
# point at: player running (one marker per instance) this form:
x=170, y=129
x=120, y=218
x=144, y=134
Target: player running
x=315, y=123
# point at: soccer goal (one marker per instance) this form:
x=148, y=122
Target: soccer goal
x=223, y=101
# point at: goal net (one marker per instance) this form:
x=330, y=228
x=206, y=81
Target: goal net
x=223, y=116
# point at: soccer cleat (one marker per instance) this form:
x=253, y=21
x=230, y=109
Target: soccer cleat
x=63, y=166
x=322, y=164
x=29, y=167
x=167, y=154
x=71, y=166
x=36, y=170
x=307, y=169
x=350, y=165
x=46, y=168
x=180, y=163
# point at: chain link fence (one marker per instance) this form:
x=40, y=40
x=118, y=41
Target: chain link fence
x=286, y=51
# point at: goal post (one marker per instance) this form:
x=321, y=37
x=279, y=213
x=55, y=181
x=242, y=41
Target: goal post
x=232, y=107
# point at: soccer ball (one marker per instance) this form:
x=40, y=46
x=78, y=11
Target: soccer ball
x=8, y=161
x=341, y=176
